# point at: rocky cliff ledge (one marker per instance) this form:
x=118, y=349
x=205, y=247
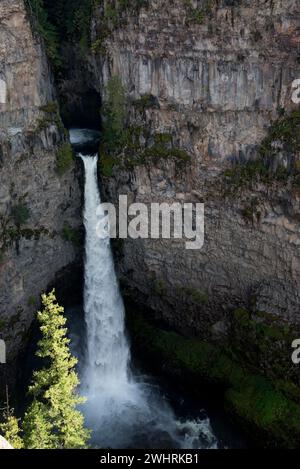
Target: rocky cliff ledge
x=39, y=196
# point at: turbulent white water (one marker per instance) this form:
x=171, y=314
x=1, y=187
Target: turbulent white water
x=83, y=136
x=121, y=411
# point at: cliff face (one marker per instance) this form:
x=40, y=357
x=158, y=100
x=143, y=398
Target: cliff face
x=35, y=201
x=213, y=76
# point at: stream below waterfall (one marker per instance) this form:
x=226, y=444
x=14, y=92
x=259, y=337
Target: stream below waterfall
x=125, y=407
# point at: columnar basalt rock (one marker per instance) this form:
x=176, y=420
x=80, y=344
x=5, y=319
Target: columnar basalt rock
x=217, y=84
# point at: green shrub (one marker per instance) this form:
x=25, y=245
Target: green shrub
x=70, y=234
x=159, y=287
x=64, y=158
x=251, y=211
x=107, y=164
x=2, y=256
x=198, y=15
x=20, y=214
x=146, y=101
x=283, y=137
x=3, y=323
x=61, y=21
x=197, y=296
x=114, y=116
x=37, y=11
x=50, y=108
x=31, y=301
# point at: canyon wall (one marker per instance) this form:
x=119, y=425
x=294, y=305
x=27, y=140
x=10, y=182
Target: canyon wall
x=39, y=195
x=212, y=76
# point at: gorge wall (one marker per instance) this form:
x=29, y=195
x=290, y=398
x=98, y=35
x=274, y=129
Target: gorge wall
x=209, y=78
x=39, y=194
x=209, y=118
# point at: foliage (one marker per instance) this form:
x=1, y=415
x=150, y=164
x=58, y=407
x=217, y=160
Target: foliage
x=2, y=323
x=107, y=164
x=146, y=101
x=159, y=287
x=64, y=158
x=251, y=211
x=282, y=137
x=115, y=13
x=46, y=29
x=61, y=21
x=50, y=108
x=9, y=426
x=2, y=255
x=50, y=116
x=11, y=431
x=260, y=405
x=31, y=301
x=52, y=420
x=197, y=15
x=20, y=213
x=114, y=115
x=197, y=296
x=125, y=147
x=70, y=234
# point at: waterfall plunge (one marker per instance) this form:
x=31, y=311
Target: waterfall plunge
x=107, y=348
x=122, y=412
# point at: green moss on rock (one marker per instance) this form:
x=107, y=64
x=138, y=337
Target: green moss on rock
x=71, y=234
x=197, y=296
x=64, y=158
x=262, y=409
x=283, y=137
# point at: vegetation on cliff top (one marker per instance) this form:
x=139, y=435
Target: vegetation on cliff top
x=52, y=420
x=61, y=21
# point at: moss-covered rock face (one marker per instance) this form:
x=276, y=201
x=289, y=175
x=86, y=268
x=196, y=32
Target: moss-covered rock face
x=265, y=406
x=263, y=341
x=278, y=157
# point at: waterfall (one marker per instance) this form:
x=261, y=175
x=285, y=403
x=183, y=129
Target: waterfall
x=121, y=410
x=107, y=347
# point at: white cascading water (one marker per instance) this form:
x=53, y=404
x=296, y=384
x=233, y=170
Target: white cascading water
x=107, y=348
x=122, y=411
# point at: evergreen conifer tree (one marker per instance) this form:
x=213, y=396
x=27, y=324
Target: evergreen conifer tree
x=53, y=420
x=10, y=426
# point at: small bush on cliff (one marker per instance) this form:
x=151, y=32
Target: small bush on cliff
x=64, y=158
x=70, y=234
x=114, y=115
x=283, y=138
x=113, y=126
x=20, y=214
x=10, y=427
x=2, y=256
